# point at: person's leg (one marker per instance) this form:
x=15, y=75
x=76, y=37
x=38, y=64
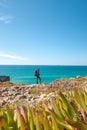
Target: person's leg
x=37, y=80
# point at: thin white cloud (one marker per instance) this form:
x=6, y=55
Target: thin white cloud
x=13, y=57
x=3, y=3
x=6, y=19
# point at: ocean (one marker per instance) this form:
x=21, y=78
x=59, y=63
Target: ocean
x=48, y=73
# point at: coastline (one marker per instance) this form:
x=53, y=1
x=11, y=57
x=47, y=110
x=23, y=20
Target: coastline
x=33, y=94
x=25, y=74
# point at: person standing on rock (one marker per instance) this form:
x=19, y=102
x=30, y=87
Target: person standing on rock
x=37, y=74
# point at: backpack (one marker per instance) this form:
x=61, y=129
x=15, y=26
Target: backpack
x=35, y=73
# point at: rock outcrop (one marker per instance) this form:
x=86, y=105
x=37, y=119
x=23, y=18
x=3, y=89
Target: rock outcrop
x=37, y=93
x=4, y=78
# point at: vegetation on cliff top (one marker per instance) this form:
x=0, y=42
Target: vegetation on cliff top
x=66, y=111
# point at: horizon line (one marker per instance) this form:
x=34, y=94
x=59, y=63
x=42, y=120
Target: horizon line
x=39, y=65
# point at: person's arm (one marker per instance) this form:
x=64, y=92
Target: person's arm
x=38, y=71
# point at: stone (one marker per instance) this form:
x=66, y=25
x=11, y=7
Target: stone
x=4, y=78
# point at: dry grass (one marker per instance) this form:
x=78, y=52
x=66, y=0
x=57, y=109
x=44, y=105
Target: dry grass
x=9, y=84
x=6, y=84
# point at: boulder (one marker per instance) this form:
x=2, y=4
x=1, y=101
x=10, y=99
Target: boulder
x=4, y=78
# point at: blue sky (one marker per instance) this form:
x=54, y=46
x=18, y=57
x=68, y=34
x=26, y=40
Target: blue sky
x=44, y=32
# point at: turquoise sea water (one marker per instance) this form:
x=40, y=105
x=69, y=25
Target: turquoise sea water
x=25, y=73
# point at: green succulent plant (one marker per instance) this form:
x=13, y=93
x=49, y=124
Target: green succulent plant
x=68, y=111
